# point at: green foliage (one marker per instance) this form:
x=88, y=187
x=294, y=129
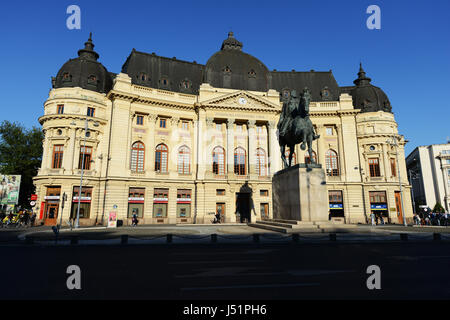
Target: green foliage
x=438, y=208
x=21, y=153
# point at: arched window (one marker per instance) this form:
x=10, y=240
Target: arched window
x=161, y=158
x=294, y=157
x=261, y=162
x=239, y=161
x=308, y=160
x=331, y=161
x=137, y=157
x=184, y=165
x=218, y=161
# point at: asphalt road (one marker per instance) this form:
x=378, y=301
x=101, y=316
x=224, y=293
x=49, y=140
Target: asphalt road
x=227, y=271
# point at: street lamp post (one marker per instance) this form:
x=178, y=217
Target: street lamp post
x=394, y=143
x=77, y=224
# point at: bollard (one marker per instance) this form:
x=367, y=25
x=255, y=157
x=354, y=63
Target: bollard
x=214, y=237
x=124, y=239
x=169, y=238
x=255, y=237
x=74, y=240
x=436, y=236
x=295, y=237
x=404, y=236
x=333, y=237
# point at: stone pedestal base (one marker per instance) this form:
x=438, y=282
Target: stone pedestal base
x=300, y=193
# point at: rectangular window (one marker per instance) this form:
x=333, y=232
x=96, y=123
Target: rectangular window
x=239, y=128
x=140, y=120
x=90, y=112
x=162, y=123
x=185, y=125
x=58, y=151
x=160, y=200
x=184, y=203
x=218, y=126
x=377, y=196
x=85, y=202
x=264, y=193
x=220, y=192
x=335, y=196
x=259, y=129
x=374, y=167
x=85, y=152
x=136, y=198
x=329, y=131
x=60, y=108
x=393, y=167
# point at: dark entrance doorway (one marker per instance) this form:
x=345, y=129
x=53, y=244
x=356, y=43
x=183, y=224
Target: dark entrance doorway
x=243, y=206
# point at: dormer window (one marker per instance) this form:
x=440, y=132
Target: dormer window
x=67, y=77
x=185, y=84
x=143, y=76
x=92, y=80
x=164, y=82
x=227, y=70
x=252, y=74
x=286, y=93
x=325, y=93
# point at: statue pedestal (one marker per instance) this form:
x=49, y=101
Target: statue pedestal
x=300, y=193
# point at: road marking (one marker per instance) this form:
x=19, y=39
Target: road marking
x=249, y=286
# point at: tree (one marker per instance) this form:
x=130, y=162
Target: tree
x=21, y=154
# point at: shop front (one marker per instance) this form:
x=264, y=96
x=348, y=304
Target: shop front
x=184, y=198
x=160, y=203
x=85, y=204
x=51, y=205
x=336, y=204
x=378, y=205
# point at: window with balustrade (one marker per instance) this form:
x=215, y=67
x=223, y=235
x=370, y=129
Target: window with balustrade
x=137, y=157
x=240, y=162
x=161, y=158
x=332, y=163
x=184, y=165
x=218, y=161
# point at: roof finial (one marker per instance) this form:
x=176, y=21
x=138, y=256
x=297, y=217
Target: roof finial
x=362, y=79
x=90, y=36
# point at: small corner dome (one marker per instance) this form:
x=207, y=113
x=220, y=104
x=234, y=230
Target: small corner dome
x=232, y=68
x=368, y=97
x=85, y=72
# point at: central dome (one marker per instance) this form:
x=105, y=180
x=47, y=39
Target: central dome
x=234, y=69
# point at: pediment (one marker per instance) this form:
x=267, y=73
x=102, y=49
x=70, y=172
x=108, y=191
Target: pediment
x=241, y=100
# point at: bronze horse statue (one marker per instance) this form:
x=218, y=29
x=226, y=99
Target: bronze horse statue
x=295, y=126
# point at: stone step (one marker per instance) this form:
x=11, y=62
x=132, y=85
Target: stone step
x=270, y=227
x=287, y=225
x=294, y=222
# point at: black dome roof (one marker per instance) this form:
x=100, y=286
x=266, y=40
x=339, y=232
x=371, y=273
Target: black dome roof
x=85, y=71
x=367, y=97
x=234, y=69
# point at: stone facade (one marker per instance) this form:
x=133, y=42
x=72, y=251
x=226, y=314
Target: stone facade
x=216, y=117
x=177, y=157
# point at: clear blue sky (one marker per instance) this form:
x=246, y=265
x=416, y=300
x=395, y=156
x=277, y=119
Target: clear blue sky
x=409, y=58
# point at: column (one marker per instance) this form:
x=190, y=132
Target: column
x=251, y=148
x=230, y=147
x=321, y=149
x=342, y=166
x=150, y=144
x=274, y=148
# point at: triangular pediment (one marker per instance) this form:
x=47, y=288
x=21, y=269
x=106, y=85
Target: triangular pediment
x=241, y=100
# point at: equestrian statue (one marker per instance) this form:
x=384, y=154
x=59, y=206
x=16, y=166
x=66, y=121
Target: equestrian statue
x=295, y=127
